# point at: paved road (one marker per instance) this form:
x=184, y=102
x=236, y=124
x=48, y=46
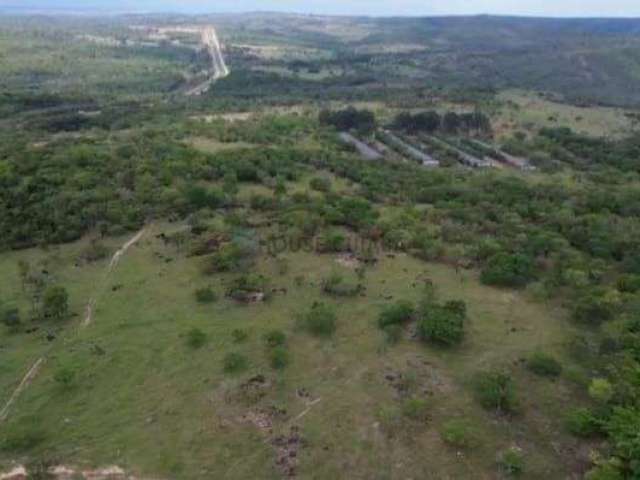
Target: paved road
x=218, y=69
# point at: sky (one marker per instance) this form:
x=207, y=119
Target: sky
x=556, y=8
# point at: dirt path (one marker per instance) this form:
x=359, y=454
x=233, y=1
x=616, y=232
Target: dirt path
x=26, y=381
x=115, y=259
x=35, y=368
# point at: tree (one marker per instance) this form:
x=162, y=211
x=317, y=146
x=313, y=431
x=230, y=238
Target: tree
x=508, y=270
x=451, y=122
x=427, y=122
x=363, y=121
x=55, y=303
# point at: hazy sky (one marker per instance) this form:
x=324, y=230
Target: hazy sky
x=582, y=8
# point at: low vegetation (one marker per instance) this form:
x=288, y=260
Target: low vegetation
x=291, y=308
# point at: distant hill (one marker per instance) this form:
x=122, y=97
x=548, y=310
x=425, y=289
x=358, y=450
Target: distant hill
x=583, y=60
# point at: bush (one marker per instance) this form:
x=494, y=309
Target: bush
x=511, y=461
x=508, y=270
x=581, y=422
x=416, y=409
x=55, y=303
x=443, y=324
x=231, y=257
x=594, y=308
x=321, y=320
x=239, y=335
x=24, y=436
x=605, y=471
x=542, y=364
x=496, y=391
x=94, y=252
x=235, y=362
x=336, y=285
x=601, y=390
x=279, y=357
x=623, y=427
x=247, y=288
x=275, y=338
x=393, y=333
x=64, y=376
x=629, y=283
x=396, y=314
x=332, y=242
x=458, y=433
x=320, y=184
x=206, y=295
x=11, y=318
x=196, y=338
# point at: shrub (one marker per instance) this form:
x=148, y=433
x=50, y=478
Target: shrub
x=443, y=324
x=601, y=390
x=393, y=333
x=11, y=318
x=508, y=270
x=623, y=427
x=64, y=376
x=206, y=295
x=239, y=335
x=262, y=202
x=248, y=288
x=279, y=357
x=458, y=433
x=321, y=320
x=94, y=252
x=332, y=242
x=24, y=436
x=629, y=283
x=336, y=285
x=275, y=338
x=594, y=308
x=416, y=409
x=282, y=265
x=320, y=184
x=235, y=362
x=542, y=364
x=582, y=422
x=196, y=338
x=511, y=461
x=429, y=249
x=495, y=390
x=605, y=471
x=55, y=303
x=396, y=314
x=234, y=256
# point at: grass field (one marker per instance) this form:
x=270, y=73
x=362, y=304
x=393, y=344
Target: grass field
x=144, y=400
x=526, y=111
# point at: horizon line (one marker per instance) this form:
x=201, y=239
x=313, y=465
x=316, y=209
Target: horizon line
x=96, y=11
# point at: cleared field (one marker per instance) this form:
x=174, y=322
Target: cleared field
x=145, y=401
x=527, y=110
